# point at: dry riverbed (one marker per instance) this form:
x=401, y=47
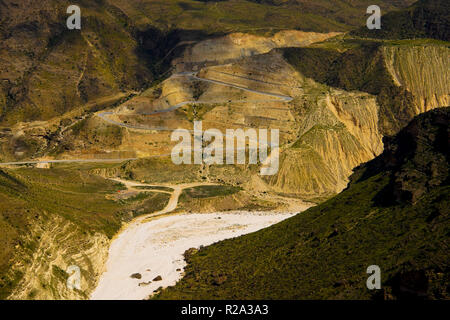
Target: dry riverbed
x=149, y=254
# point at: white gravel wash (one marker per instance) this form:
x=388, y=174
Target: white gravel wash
x=156, y=248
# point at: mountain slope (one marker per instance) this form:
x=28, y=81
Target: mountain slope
x=47, y=70
x=394, y=214
x=354, y=93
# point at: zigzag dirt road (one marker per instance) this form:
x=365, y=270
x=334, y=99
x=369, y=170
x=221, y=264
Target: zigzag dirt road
x=194, y=76
x=105, y=116
x=173, y=201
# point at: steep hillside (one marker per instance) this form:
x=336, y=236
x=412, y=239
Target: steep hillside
x=339, y=126
x=52, y=219
x=83, y=134
x=348, y=94
x=394, y=214
x=407, y=77
x=47, y=70
x=325, y=132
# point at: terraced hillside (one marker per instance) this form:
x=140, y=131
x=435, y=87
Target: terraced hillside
x=394, y=214
x=347, y=94
x=319, y=124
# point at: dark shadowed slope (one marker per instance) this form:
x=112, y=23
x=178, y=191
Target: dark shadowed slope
x=424, y=19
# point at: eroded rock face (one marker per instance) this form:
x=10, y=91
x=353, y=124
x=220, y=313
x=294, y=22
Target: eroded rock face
x=342, y=106
x=424, y=71
x=325, y=132
x=339, y=129
x=60, y=245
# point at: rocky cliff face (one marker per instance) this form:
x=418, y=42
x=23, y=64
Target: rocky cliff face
x=44, y=269
x=239, y=45
x=424, y=71
x=344, y=104
x=348, y=93
x=338, y=133
x=341, y=128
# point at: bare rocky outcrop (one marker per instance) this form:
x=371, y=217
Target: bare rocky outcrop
x=59, y=244
x=239, y=45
